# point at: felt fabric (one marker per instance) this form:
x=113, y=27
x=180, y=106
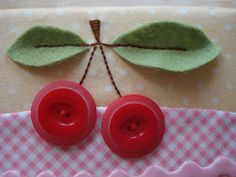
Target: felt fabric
x=212, y=86
x=195, y=135
x=182, y=47
x=167, y=45
x=27, y=49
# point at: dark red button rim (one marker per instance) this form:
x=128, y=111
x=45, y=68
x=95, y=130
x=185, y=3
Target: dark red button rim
x=90, y=106
x=117, y=105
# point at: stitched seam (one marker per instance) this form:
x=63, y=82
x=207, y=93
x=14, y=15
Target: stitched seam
x=112, y=45
x=88, y=65
x=109, y=71
x=95, y=26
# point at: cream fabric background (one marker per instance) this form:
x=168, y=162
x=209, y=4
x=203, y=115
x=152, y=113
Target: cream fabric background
x=212, y=86
x=72, y=3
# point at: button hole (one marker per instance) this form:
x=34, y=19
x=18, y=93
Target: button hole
x=63, y=113
x=68, y=115
x=59, y=111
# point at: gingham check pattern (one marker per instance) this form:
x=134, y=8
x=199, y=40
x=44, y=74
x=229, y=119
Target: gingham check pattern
x=191, y=134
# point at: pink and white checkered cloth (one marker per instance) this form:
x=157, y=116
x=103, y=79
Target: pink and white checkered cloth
x=191, y=134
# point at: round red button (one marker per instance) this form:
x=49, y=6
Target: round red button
x=133, y=126
x=63, y=113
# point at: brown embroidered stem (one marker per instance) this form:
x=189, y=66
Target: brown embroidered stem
x=112, y=45
x=109, y=71
x=88, y=65
x=95, y=26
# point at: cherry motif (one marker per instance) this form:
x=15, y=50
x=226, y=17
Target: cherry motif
x=133, y=126
x=64, y=113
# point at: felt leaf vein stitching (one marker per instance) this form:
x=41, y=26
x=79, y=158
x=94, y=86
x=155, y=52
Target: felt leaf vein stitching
x=25, y=51
x=166, y=45
x=199, y=50
x=112, y=45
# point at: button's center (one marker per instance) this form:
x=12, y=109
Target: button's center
x=64, y=113
x=133, y=127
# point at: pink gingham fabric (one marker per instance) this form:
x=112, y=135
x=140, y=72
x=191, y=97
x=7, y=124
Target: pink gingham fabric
x=191, y=134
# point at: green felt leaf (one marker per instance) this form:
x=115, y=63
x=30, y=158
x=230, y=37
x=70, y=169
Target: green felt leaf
x=28, y=50
x=166, y=39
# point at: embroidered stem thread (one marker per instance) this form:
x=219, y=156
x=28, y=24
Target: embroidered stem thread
x=95, y=26
x=113, y=45
x=88, y=65
x=109, y=71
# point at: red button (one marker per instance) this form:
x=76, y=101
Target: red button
x=63, y=113
x=133, y=126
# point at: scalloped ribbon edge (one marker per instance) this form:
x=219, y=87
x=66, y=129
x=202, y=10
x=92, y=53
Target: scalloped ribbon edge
x=221, y=167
